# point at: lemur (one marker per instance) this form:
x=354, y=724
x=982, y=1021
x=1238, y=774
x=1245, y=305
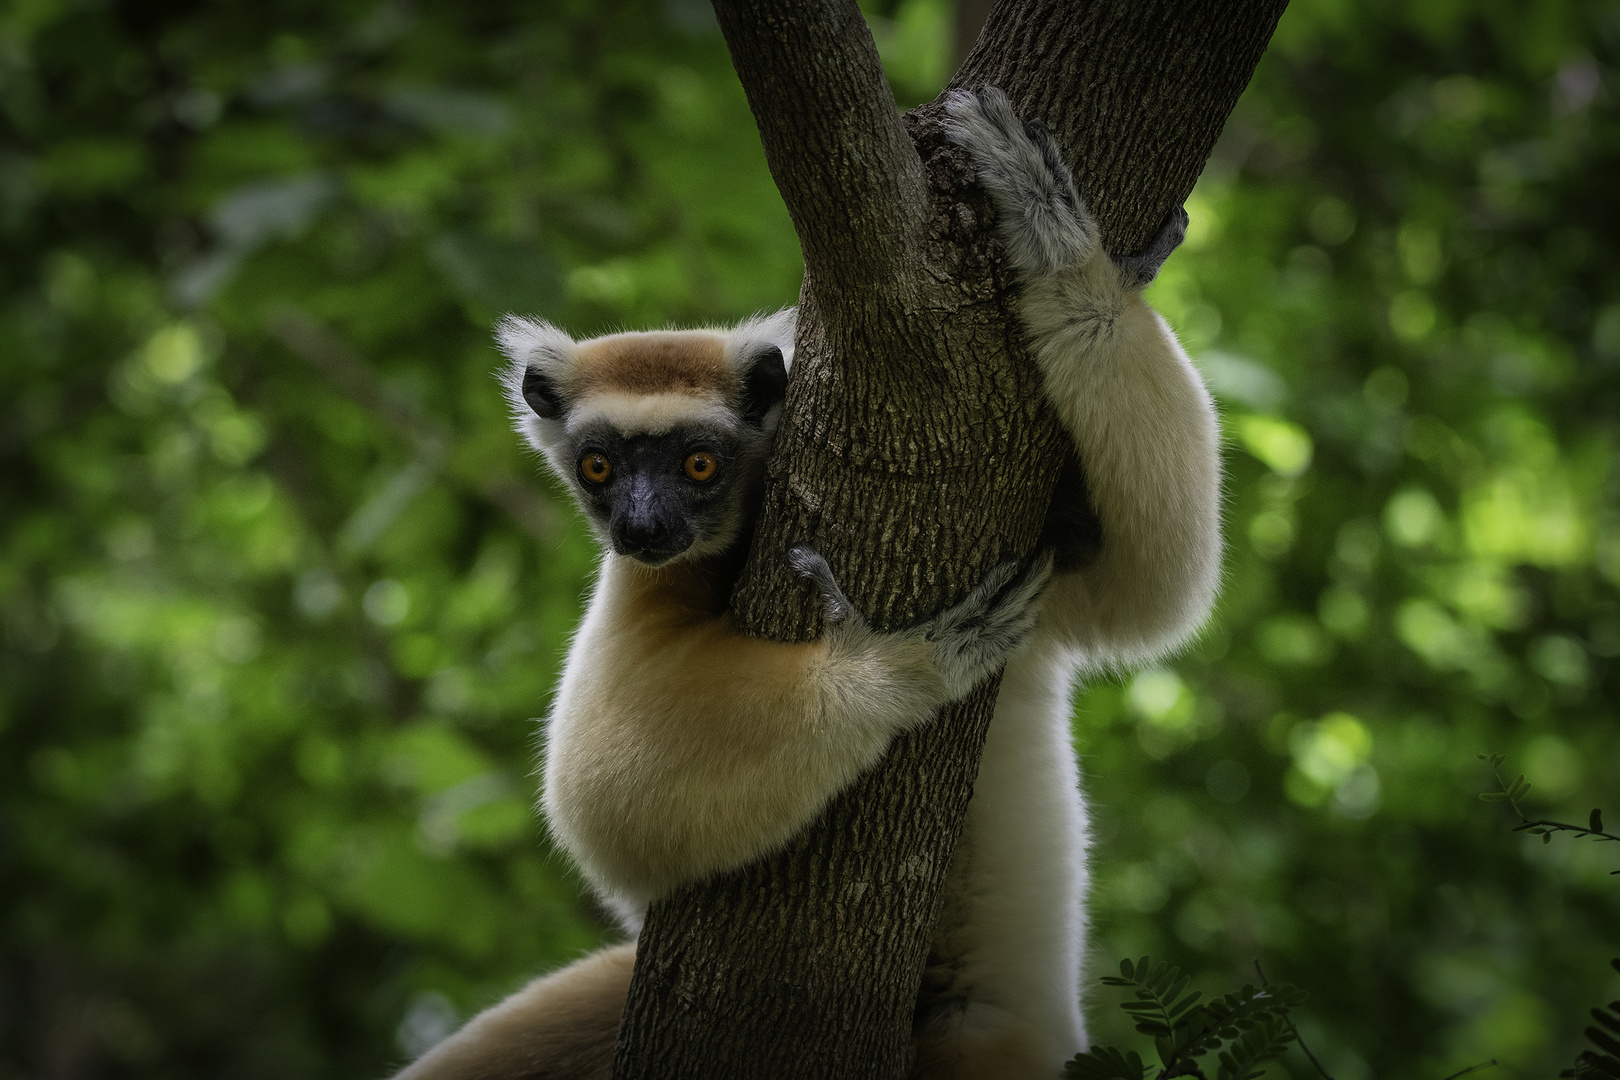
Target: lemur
x=662, y=767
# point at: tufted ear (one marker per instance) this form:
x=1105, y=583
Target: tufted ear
x=540, y=393
x=764, y=384
x=540, y=356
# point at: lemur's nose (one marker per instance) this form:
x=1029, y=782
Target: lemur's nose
x=646, y=524
x=651, y=530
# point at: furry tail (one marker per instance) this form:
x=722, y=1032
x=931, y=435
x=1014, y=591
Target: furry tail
x=560, y=1027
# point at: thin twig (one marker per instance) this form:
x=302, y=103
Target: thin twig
x=1472, y=1068
x=1258, y=970
x=1564, y=826
x=326, y=353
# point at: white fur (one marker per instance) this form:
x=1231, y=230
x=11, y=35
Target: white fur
x=649, y=414
x=677, y=749
x=536, y=342
x=1012, y=923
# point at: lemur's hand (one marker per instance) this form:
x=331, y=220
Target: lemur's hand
x=966, y=641
x=975, y=637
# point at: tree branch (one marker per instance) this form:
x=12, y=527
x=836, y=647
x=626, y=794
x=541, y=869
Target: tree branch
x=832, y=136
x=1160, y=80
x=916, y=451
x=316, y=345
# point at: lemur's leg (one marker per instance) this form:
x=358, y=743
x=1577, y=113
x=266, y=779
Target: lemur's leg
x=1134, y=529
x=1142, y=423
x=739, y=741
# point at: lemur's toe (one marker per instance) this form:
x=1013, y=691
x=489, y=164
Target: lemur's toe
x=807, y=562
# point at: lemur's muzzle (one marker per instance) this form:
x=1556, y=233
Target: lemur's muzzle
x=647, y=525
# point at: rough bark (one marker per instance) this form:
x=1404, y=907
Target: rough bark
x=916, y=453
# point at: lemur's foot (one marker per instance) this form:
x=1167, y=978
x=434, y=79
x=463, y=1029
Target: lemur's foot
x=1138, y=271
x=808, y=563
x=973, y=638
x=1039, y=213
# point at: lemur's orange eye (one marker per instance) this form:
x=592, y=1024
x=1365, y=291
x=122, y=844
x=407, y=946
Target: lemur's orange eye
x=701, y=466
x=595, y=468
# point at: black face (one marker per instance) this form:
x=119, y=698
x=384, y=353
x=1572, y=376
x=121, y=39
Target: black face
x=658, y=496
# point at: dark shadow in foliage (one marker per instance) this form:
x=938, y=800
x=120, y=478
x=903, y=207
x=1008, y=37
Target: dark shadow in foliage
x=1605, y=1063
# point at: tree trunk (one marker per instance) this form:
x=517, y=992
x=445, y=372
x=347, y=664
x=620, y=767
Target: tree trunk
x=916, y=452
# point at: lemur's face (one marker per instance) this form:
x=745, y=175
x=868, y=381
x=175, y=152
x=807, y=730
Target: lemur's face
x=662, y=435
x=657, y=497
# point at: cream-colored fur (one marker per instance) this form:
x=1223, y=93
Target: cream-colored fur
x=559, y=1027
x=677, y=748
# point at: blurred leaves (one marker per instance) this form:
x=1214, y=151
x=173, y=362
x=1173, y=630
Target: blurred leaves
x=1605, y=1060
x=280, y=592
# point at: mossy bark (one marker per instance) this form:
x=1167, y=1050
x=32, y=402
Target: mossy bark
x=916, y=453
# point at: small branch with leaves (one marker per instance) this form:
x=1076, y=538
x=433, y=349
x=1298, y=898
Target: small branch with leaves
x=1242, y=1028
x=1604, y=1062
x=1512, y=793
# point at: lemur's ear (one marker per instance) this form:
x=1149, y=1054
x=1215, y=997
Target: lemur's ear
x=764, y=384
x=540, y=355
x=541, y=393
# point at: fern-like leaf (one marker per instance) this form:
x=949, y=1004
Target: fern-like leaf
x=1162, y=1007
x=1265, y=1035
x=1604, y=1064
x=1105, y=1063
x=1590, y=1066
x=1184, y=1027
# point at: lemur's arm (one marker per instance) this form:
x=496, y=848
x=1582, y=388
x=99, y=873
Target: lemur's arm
x=1142, y=422
x=678, y=747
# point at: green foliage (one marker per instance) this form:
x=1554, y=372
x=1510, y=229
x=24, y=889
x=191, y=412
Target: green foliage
x=1241, y=1029
x=1513, y=794
x=1604, y=1062
x=1393, y=282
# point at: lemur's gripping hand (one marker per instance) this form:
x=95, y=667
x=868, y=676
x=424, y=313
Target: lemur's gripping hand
x=975, y=637
x=1041, y=217
x=967, y=641
x=1138, y=271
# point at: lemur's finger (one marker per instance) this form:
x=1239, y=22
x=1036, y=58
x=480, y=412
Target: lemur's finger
x=1012, y=611
x=1041, y=135
x=969, y=615
x=1138, y=271
x=1035, y=577
x=807, y=562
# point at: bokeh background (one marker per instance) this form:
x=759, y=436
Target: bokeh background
x=281, y=594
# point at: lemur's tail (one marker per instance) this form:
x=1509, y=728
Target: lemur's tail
x=560, y=1027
